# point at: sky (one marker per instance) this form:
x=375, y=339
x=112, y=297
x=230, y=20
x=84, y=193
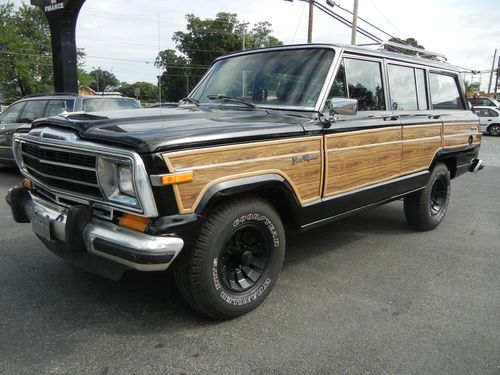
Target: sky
x=123, y=36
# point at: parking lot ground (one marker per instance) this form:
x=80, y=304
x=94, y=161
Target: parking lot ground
x=363, y=295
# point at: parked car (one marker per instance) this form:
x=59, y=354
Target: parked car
x=28, y=109
x=271, y=140
x=484, y=102
x=489, y=119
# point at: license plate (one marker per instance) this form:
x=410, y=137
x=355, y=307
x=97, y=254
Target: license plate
x=41, y=226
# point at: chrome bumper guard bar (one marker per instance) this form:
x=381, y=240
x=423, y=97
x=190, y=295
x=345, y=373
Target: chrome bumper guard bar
x=121, y=245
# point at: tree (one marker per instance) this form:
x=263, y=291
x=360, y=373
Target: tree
x=471, y=88
x=204, y=41
x=147, y=91
x=175, y=75
x=260, y=36
x=84, y=78
x=102, y=80
x=25, y=52
x=207, y=39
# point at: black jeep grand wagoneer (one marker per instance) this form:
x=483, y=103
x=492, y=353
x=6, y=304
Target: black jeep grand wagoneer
x=302, y=135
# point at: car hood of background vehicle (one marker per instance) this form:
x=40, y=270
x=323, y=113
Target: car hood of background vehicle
x=162, y=129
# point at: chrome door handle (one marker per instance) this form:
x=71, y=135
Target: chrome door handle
x=391, y=117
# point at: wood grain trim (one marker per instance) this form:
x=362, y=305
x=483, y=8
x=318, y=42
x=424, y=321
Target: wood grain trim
x=456, y=135
x=214, y=165
x=361, y=158
x=421, y=143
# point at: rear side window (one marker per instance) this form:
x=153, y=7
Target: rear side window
x=408, y=89
x=109, y=104
x=57, y=106
x=362, y=80
x=485, y=102
x=34, y=109
x=403, y=88
x=492, y=113
x=10, y=115
x=444, y=92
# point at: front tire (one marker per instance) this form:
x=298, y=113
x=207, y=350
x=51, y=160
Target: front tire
x=494, y=130
x=236, y=260
x=425, y=209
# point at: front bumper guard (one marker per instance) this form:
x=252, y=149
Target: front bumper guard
x=100, y=238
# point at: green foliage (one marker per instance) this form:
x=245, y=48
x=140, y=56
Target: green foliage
x=147, y=91
x=84, y=78
x=204, y=41
x=25, y=52
x=102, y=80
x=472, y=88
x=175, y=75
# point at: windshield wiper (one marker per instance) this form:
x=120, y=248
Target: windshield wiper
x=231, y=99
x=190, y=100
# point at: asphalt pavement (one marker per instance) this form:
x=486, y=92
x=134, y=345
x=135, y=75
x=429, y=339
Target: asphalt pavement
x=365, y=295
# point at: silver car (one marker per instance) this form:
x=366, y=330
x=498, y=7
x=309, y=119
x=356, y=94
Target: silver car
x=489, y=118
x=26, y=110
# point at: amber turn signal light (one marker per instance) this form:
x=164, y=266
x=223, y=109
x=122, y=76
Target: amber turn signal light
x=27, y=184
x=178, y=178
x=135, y=222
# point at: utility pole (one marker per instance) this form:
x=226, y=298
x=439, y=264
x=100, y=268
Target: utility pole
x=159, y=66
x=498, y=76
x=492, y=69
x=245, y=34
x=310, y=26
x=354, y=22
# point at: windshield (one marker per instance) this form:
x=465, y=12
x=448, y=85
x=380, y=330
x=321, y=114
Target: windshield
x=286, y=78
x=109, y=104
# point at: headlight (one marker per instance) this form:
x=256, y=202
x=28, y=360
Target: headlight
x=125, y=180
x=116, y=178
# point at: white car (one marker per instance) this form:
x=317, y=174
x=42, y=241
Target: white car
x=489, y=118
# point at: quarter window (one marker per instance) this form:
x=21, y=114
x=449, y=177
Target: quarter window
x=421, y=89
x=444, y=92
x=493, y=113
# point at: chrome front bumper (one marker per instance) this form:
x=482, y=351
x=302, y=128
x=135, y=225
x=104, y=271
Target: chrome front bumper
x=117, y=244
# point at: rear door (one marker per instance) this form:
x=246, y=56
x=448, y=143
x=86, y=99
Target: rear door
x=422, y=127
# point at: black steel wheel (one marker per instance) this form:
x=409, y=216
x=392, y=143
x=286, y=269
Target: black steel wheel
x=244, y=258
x=236, y=260
x=439, y=195
x=425, y=209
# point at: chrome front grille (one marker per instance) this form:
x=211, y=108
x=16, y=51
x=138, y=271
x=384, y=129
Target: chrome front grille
x=74, y=172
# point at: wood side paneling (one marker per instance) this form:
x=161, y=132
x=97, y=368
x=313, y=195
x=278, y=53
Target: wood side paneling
x=217, y=164
x=358, y=159
x=457, y=134
x=420, y=145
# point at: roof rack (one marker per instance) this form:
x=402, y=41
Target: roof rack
x=419, y=51
x=51, y=94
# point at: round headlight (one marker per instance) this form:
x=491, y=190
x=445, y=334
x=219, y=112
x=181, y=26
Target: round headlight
x=125, y=180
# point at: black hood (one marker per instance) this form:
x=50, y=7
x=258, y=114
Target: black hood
x=152, y=130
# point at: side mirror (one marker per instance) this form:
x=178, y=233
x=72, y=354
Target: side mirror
x=342, y=106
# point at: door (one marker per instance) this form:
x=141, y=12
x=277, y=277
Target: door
x=362, y=150
x=422, y=127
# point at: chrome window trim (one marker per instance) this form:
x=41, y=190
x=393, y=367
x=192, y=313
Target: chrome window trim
x=142, y=185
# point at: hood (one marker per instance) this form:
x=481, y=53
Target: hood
x=162, y=129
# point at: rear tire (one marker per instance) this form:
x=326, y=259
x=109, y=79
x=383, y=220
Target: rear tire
x=425, y=209
x=494, y=130
x=236, y=260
